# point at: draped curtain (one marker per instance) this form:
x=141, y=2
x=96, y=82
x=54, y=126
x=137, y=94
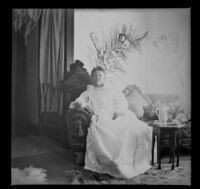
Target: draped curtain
x=51, y=59
x=51, y=51
x=25, y=20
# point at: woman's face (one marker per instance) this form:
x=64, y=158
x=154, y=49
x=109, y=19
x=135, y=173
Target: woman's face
x=98, y=78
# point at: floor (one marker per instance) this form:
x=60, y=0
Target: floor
x=42, y=152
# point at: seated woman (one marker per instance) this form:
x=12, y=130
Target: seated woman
x=118, y=143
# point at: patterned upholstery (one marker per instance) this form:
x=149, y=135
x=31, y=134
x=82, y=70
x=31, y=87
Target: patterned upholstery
x=78, y=121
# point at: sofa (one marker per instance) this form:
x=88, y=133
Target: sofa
x=78, y=119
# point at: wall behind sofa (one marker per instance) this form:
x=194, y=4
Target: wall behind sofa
x=151, y=71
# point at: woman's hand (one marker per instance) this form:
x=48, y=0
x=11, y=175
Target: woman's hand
x=75, y=105
x=94, y=118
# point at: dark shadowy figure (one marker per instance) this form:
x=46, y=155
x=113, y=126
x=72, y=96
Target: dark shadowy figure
x=75, y=82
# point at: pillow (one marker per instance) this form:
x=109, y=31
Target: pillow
x=136, y=100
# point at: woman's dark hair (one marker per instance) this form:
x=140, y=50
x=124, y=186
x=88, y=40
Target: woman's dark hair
x=98, y=68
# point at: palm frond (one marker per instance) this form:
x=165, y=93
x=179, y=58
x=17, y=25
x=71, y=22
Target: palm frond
x=123, y=56
x=132, y=33
x=130, y=30
x=124, y=29
x=91, y=59
x=114, y=51
x=139, y=38
x=117, y=65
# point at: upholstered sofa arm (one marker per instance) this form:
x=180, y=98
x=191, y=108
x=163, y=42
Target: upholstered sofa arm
x=78, y=121
x=186, y=136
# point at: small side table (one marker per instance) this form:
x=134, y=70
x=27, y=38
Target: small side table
x=159, y=131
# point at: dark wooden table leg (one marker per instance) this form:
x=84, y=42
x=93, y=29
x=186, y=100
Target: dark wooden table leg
x=159, y=149
x=170, y=150
x=153, y=145
x=173, y=148
x=178, y=148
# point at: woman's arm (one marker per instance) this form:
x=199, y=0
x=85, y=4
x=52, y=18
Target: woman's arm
x=81, y=101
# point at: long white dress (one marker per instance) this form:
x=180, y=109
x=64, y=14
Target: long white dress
x=120, y=147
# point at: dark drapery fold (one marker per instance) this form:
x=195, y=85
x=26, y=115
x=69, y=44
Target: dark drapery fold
x=52, y=59
x=51, y=51
x=25, y=20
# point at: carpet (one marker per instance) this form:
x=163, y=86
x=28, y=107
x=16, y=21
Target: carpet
x=179, y=176
x=28, y=175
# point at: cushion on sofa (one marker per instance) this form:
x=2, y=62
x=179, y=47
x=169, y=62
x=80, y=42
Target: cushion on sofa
x=136, y=100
